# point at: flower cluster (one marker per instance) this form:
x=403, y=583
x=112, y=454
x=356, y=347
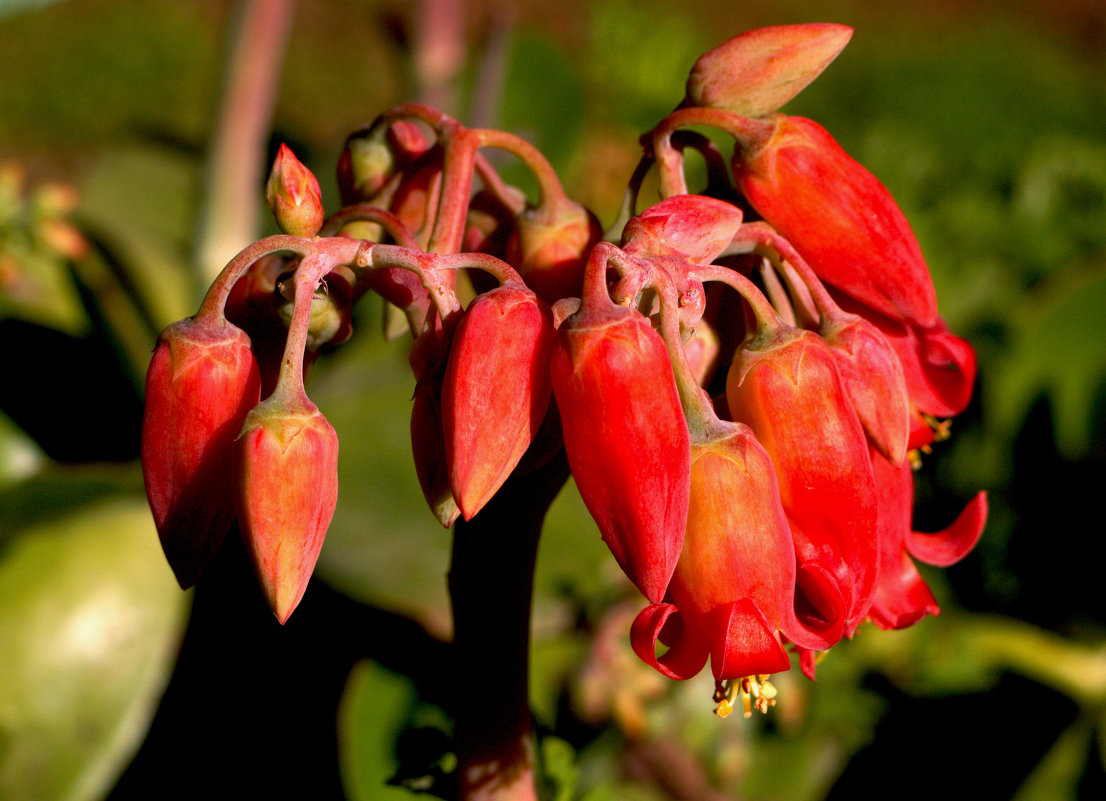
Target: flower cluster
x=742, y=379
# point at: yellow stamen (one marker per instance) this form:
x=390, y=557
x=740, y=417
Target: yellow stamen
x=756, y=692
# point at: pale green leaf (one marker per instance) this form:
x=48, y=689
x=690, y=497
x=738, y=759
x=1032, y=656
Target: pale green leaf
x=90, y=623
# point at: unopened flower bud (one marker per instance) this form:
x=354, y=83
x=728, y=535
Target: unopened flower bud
x=495, y=391
x=202, y=381
x=286, y=489
x=695, y=227
x=371, y=157
x=293, y=195
x=550, y=249
x=839, y=218
x=626, y=438
x=758, y=71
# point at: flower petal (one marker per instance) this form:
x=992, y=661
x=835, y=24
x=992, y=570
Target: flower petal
x=687, y=654
x=949, y=546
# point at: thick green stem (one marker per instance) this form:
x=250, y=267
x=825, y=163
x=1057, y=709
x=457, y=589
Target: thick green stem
x=490, y=585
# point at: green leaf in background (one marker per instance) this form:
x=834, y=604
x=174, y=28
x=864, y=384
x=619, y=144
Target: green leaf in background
x=1057, y=350
x=90, y=623
x=374, y=708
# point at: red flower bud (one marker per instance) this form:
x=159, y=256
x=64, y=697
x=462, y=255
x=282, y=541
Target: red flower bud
x=873, y=377
x=495, y=391
x=938, y=366
x=626, y=438
x=788, y=391
x=734, y=585
x=427, y=437
x=839, y=217
x=202, y=381
x=286, y=488
x=293, y=195
x=758, y=71
x=695, y=227
x=550, y=249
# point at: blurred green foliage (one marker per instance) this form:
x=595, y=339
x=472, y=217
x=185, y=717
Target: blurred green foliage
x=984, y=121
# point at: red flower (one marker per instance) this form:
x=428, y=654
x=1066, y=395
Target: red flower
x=733, y=591
x=202, y=381
x=626, y=438
x=902, y=597
x=787, y=389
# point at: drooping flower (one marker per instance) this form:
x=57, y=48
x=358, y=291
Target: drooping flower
x=495, y=391
x=785, y=386
x=732, y=594
x=202, y=381
x=902, y=596
x=625, y=436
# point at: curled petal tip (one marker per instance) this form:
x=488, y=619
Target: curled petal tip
x=686, y=654
x=949, y=546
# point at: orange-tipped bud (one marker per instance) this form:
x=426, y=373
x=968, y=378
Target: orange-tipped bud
x=549, y=250
x=758, y=71
x=202, y=381
x=839, y=217
x=293, y=195
x=626, y=438
x=286, y=488
x=495, y=391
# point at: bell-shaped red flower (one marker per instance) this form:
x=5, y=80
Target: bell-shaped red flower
x=203, y=380
x=495, y=391
x=733, y=592
x=286, y=489
x=902, y=596
x=785, y=386
x=625, y=436
x=839, y=217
